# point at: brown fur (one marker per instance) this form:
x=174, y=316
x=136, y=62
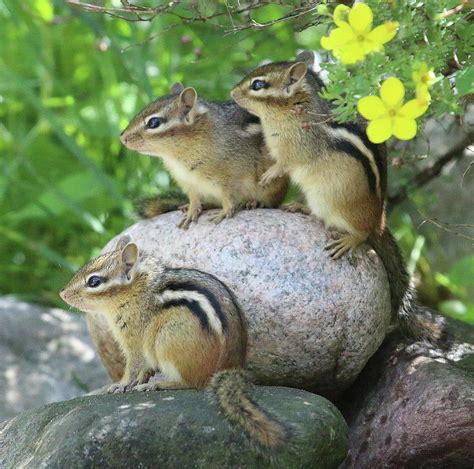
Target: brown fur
x=214, y=151
x=333, y=168
x=231, y=390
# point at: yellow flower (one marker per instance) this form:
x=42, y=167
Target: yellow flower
x=353, y=39
x=423, y=76
x=423, y=96
x=388, y=115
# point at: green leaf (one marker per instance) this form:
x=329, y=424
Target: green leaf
x=465, y=81
x=458, y=310
x=45, y=9
x=462, y=272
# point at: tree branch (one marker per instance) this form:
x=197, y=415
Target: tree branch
x=239, y=16
x=430, y=172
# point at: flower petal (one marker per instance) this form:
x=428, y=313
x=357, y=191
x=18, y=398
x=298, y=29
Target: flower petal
x=383, y=33
x=371, y=107
x=360, y=18
x=337, y=38
x=369, y=46
x=423, y=96
x=379, y=130
x=412, y=109
x=349, y=53
x=327, y=43
x=404, y=128
x=340, y=14
x=392, y=92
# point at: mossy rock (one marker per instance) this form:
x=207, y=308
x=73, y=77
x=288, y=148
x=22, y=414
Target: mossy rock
x=171, y=429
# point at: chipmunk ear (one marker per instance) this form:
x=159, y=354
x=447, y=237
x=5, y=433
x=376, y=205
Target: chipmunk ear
x=122, y=242
x=296, y=74
x=129, y=258
x=177, y=88
x=189, y=98
x=306, y=57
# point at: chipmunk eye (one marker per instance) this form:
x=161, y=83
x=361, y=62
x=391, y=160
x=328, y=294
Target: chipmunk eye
x=94, y=281
x=154, y=122
x=258, y=85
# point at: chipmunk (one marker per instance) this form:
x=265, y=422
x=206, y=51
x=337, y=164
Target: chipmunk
x=215, y=151
x=341, y=173
x=183, y=322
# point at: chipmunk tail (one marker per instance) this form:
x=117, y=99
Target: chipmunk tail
x=231, y=390
x=416, y=322
x=153, y=206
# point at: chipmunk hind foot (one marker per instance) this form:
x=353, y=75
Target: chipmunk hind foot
x=345, y=243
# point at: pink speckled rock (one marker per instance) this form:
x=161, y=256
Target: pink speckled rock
x=313, y=322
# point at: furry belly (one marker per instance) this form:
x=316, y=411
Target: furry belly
x=321, y=198
x=192, y=181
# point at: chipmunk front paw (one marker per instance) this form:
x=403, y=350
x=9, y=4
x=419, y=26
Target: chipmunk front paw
x=270, y=174
x=120, y=388
x=296, y=207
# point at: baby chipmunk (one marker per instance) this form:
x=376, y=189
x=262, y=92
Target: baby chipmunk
x=182, y=322
x=214, y=150
x=341, y=173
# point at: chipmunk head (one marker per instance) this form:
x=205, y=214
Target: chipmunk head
x=164, y=123
x=106, y=280
x=280, y=84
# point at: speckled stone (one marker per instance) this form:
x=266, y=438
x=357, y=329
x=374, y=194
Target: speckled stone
x=313, y=322
x=172, y=430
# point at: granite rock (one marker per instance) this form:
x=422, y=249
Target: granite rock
x=172, y=429
x=313, y=322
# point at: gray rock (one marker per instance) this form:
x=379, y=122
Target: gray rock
x=170, y=429
x=313, y=322
x=46, y=356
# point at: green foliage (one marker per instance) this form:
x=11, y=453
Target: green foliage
x=70, y=80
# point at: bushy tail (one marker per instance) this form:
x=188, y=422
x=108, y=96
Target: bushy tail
x=415, y=322
x=154, y=206
x=231, y=390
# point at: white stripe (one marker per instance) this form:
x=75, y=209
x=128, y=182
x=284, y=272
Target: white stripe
x=211, y=314
x=344, y=134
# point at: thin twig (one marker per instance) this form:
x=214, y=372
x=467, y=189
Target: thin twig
x=430, y=172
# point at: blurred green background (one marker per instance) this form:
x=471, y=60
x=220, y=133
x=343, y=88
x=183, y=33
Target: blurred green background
x=69, y=83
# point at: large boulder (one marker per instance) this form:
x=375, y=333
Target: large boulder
x=46, y=356
x=170, y=429
x=313, y=322
x=413, y=406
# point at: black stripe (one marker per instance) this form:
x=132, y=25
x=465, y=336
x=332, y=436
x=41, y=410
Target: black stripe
x=373, y=147
x=348, y=148
x=194, y=307
x=191, y=286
